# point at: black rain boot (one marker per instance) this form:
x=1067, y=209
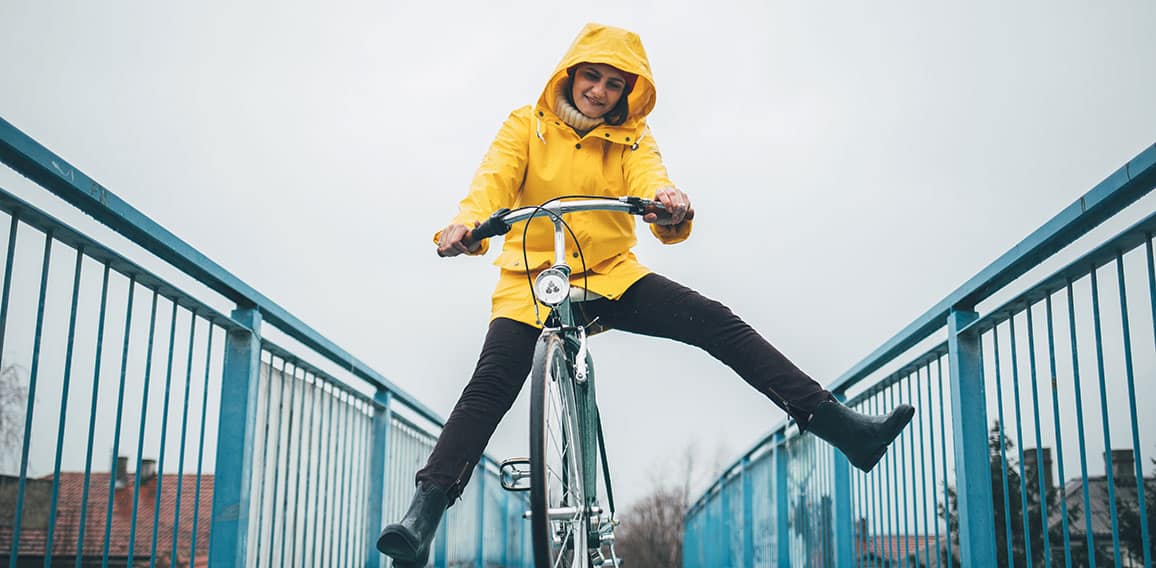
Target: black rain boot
x=408, y=540
x=863, y=439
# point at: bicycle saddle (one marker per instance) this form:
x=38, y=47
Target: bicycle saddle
x=580, y=294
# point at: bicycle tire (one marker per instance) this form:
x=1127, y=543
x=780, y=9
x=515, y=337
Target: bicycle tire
x=555, y=461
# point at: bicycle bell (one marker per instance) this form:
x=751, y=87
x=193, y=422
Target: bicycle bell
x=552, y=287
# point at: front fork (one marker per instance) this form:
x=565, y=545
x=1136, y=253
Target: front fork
x=588, y=423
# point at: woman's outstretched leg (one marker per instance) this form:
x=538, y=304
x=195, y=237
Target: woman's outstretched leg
x=659, y=307
x=501, y=371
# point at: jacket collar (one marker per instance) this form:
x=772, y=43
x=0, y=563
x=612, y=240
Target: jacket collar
x=627, y=134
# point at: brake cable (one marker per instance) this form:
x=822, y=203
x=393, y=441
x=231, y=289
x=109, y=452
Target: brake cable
x=581, y=254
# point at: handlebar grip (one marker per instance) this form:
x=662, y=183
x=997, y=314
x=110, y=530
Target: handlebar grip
x=657, y=208
x=493, y=226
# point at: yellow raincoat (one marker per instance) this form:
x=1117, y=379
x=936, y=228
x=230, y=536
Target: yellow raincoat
x=536, y=157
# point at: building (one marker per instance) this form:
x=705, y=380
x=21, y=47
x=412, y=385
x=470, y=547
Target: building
x=69, y=526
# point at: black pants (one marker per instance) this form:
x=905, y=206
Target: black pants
x=654, y=306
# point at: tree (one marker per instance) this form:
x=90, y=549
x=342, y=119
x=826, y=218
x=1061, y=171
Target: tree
x=1014, y=506
x=13, y=408
x=1128, y=515
x=1131, y=529
x=651, y=532
x=651, y=535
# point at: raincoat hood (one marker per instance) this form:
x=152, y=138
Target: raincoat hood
x=537, y=156
x=597, y=43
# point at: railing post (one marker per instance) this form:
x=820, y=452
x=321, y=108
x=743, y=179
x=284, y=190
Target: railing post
x=724, y=526
x=782, y=526
x=238, y=415
x=748, y=515
x=506, y=528
x=479, y=556
x=378, y=456
x=440, y=542
x=844, y=524
x=969, y=422
x=526, y=554
x=713, y=524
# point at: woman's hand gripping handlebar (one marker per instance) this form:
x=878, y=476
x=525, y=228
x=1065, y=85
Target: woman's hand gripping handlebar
x=671, y=206
x=457, y=239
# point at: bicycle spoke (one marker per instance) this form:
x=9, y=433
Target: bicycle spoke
x=562, y=557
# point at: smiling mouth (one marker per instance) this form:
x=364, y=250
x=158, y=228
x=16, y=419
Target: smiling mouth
x=592, y=101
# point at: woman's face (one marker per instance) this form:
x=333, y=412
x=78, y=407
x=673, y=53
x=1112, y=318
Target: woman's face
x=596, y=88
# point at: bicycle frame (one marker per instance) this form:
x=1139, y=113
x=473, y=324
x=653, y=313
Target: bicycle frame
x=562, y=323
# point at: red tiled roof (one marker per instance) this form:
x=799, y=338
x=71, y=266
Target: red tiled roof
x=33, y=539
x=891, y=547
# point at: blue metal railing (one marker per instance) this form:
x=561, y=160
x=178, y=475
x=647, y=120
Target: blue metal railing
x=244, y=451
x=972, y=482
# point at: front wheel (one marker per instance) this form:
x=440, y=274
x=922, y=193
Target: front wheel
x=558, y=519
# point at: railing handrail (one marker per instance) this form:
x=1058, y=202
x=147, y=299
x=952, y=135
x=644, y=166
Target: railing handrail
x=117, y=262
x=33, y=160
x=1123, y=187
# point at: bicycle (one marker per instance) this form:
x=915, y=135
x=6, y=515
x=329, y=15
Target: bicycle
x=568, y=525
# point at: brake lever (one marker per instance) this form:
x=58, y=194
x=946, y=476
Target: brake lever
x=640, y=206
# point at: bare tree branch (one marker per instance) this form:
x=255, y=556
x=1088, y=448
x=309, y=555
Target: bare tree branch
x=651, y=531
x=13, y=406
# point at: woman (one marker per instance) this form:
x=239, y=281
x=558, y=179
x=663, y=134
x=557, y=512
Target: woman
x=587, y=135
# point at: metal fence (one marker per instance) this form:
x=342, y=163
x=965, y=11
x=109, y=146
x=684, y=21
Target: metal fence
x=1032, y=444
x=141, y=425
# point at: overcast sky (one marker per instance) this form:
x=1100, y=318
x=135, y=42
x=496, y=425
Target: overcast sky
x=851, y=164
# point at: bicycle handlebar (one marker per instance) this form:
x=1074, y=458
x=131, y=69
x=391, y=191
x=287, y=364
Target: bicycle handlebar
x=500, y=221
